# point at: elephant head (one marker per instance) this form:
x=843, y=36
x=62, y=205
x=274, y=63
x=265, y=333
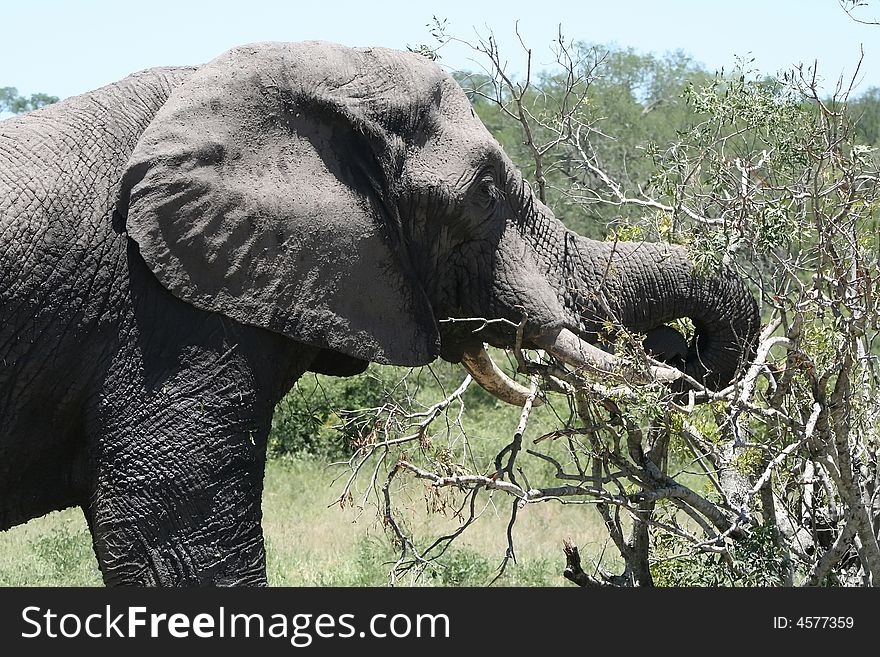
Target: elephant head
x=350, y=199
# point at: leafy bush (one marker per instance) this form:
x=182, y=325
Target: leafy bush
x=752, y=561
x=323, y=415
x=11, y=101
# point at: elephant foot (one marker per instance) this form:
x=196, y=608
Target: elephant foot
x=181, y=538
x=188, y=559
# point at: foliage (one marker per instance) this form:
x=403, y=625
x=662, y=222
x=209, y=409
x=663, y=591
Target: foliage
x=864, y=113
x=753, y=561
x=11, y=101
x=312, y=418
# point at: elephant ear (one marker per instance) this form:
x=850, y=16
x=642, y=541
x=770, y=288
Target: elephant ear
x=261, y=191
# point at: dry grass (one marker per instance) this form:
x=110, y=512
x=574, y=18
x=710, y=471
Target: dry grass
x=312, y=541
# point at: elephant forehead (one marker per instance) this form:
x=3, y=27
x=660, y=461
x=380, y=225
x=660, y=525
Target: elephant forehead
x=373, y=80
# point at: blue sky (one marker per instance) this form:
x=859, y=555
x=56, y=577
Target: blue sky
x=65, y=48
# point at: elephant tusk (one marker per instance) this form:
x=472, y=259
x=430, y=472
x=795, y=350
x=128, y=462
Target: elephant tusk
x=484, y=371
x=578, y=353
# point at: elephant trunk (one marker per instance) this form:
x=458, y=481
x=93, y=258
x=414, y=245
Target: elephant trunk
x=642, y=286
x=573, y=291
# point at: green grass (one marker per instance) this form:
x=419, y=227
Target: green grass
x=55, y=550
x=311, y=542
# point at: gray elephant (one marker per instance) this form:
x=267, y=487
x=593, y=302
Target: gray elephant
x=177, y=248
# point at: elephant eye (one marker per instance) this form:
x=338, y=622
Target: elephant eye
x=487, y=191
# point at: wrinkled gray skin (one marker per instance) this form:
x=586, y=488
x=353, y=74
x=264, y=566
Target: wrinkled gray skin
x=177, y=248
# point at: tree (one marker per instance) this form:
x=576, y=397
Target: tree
x=857, y=10
x=632, y=100
x=865, y=115
x=771, y=481
x=11, y=101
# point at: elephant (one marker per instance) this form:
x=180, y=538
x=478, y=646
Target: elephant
x=179, y=247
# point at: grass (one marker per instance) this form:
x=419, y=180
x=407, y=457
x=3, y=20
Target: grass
x=310, y=542
x=55, y=550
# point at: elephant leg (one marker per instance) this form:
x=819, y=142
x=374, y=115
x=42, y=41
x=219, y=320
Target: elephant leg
x=177, y=457
x=177, y=454
x=176, y=433
x=177, y=489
